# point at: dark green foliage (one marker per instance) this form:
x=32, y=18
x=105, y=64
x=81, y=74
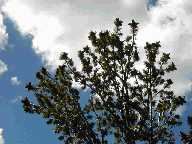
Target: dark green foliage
x=127, y=102
x=58, y=103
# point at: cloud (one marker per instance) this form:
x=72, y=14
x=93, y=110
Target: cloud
x=15, y=80
x=3, y=33
x=170, y=22
x=1, y=136
x=3, y=67
x=58, y=25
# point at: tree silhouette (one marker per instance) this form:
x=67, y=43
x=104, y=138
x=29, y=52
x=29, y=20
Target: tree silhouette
x=130, y=99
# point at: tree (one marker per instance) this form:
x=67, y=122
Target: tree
x=127, y=103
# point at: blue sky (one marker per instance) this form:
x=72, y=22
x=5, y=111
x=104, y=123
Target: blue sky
x=36, y=31
x=20, y=128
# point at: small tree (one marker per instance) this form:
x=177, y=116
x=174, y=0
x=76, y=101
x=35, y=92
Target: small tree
x=126, y=103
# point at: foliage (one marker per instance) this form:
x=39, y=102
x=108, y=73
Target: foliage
x=130, y=99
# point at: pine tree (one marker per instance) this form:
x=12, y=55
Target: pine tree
x=126, y=102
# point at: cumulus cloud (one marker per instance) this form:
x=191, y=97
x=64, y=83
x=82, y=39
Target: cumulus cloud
x=15, y=80
x=58, y=25
x=3, y=33
x=170, y=23
x=3, y=67
x=1, y=136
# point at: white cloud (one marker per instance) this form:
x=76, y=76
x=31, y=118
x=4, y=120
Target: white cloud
x=135, y=5
x=1, y=136
x=170, y=22
x=58, y=25
x=15, y=80
x=3, y=67
x=3, y=33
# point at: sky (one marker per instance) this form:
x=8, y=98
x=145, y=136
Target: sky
x=33, y=33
